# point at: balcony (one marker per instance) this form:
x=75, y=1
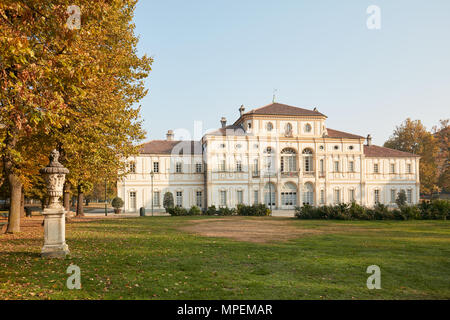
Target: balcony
x=286, y=174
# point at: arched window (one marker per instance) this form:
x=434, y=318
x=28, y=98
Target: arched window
x=288, y=128
x=269, y=195
x=308, y=160
x=308, y=194
x=288, y=160
x=289, y=194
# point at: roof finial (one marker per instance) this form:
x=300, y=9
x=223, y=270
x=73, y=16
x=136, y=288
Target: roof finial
x=273, y=97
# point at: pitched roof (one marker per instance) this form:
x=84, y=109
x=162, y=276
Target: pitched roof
x=284, y=110
x=232, y=130
x=377, y=151
x=168, y=147
x=341, y=134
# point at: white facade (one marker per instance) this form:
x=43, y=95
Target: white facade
x=279, y=155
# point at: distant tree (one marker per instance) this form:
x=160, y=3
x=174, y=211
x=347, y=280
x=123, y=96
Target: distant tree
x=411, y=136
x=442, y=134
x=401, y=198
x=168, y=201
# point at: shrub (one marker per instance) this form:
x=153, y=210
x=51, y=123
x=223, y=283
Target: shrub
x=401, y=198
x=168, y=201
x=225, y=211
x=117, y=203
x=436, y=209
x=195, y=211
x=253, y=210
x=177, y=211
x=211, y=210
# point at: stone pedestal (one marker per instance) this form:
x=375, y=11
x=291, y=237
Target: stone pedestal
x=54, y=233
x=54, y=215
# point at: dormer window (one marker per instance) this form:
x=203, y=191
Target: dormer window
x=308, y=127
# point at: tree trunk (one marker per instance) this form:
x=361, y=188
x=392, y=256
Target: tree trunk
x=80, y=209
x=66, y=197
x=22, y=203
x=15, y=186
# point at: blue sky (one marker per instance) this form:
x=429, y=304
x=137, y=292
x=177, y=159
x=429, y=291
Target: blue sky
x=212, y=56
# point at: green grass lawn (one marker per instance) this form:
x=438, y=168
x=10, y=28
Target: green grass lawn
x=149, y=258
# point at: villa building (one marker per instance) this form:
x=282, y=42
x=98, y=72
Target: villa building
x=279, y=155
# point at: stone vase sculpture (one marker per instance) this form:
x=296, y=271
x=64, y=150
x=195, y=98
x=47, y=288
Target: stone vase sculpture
x=54, y=214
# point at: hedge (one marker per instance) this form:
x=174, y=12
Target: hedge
x=241, y=210
x=436, y=209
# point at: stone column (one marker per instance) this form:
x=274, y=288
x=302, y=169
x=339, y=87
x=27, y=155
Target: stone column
x=54, y=214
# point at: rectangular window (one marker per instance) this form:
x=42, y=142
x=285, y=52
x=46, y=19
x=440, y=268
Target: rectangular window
x=132, y=200
x=351, y=195
x=375, y=168
x=408, y=168
x=322, y=196
x=376, y=196
x=239, y=166
x=351, y=166
x=322, y=167
x=255, y=196
x=156, y=167
x=223, y=198
x=240, y=197
x=392, y=168
x=156, y=199
x=337, y=196
x=198, y=167
x=132, y=167
x=222, y=165
x=255, y=167
x=336, y=166
x=178, y=167
x=393, y=195
x=179, y=198
x=199, y=199
x=409, y=196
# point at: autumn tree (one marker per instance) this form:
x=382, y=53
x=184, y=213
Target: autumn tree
x=411, y=136
x=442, y=135
x=68, y=86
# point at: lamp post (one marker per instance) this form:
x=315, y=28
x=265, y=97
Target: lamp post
x=270, y=186
x=151, y=176
x=106, y=202
x=54, y=214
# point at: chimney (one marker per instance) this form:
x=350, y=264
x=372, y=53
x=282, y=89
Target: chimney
x=369, y=140
x=241, y=110
x=169, y=135
x=223, y=121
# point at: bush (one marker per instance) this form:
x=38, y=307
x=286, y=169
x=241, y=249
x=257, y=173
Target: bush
x=168, y=201
x=211, y=211
x=225, y=211
x=177, y=211
x=195, y=211
x=436, y=209
x=253, y=210
x=117, y=203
